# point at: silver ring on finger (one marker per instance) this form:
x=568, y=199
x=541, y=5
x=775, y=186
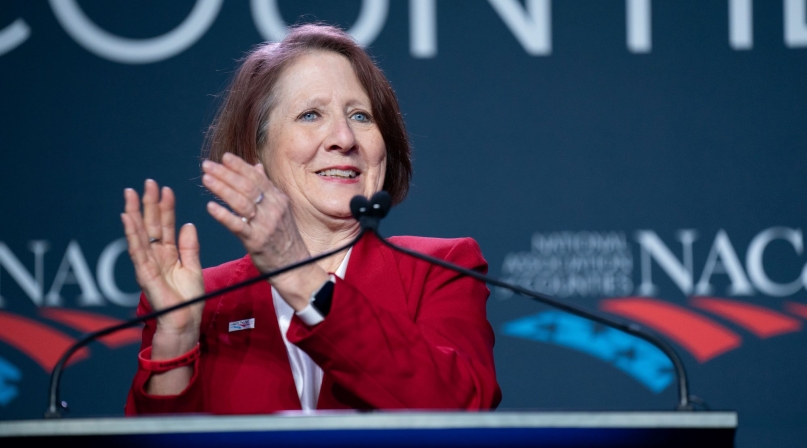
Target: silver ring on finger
x=259, y=199
x=154, y=240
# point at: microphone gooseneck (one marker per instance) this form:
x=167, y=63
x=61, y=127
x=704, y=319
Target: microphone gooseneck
x=371, y=211
x=56, y=408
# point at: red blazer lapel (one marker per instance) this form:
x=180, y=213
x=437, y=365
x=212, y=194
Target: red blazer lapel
x=373, y=270
x=259, y=366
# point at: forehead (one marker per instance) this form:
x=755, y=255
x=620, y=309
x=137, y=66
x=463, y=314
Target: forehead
x=319, y=76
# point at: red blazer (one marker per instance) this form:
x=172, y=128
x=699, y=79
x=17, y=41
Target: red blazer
x=401, y=333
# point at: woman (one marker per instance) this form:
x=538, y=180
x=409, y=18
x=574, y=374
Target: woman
x=306, y=125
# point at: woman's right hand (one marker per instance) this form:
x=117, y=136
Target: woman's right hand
x=168, y=273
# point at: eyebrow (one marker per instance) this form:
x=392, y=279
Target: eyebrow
x=314, y=102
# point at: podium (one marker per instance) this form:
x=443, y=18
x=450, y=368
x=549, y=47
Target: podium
x=384, y=429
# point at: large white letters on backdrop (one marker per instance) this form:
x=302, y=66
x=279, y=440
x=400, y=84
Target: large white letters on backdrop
x=723, y=259
x=754, y=261
x=105, y=273
x=423, y=28
x=531, y=24
x=638, y=20
x=532, y=27
x=796, y=23
x=271, y=25
x=73, y=270
x=135, y=51
x=741, y=26
x=13, y=35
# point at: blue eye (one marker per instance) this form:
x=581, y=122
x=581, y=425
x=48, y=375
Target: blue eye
x=309, y=116
x=361, y=116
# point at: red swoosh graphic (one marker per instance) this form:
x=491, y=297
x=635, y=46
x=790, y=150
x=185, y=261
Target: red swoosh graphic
x=796, y=308
x=39, y=342
x=89, y=322
x=701, y=336
x=756, y=319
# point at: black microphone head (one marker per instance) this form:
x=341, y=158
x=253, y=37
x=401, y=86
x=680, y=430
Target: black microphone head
x=381, y=202
x=359, y=206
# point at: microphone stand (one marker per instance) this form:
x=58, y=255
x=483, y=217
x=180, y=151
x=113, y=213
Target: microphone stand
x=369, y=213
x=57, y=408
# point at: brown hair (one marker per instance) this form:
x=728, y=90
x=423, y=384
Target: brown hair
x=241, y=122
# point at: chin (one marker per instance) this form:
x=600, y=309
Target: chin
x=337, y=206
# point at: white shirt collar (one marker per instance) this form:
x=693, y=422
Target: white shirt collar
x=340, y=272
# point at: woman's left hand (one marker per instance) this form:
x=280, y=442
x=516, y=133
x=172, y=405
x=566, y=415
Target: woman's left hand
x=264, y=222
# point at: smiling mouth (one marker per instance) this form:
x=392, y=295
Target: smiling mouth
x=340, y=174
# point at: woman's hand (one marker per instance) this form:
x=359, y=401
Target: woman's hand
x=169, y=273
x=264, y=223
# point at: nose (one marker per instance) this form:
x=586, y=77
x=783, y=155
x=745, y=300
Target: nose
x=340, y=136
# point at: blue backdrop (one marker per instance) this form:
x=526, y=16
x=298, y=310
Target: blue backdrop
x=644, y=158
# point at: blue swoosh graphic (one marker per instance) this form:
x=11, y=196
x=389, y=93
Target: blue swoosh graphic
x=636, y=357
x=8, y=372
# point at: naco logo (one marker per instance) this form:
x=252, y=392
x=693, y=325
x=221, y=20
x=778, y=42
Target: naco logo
x=43, y=336
x=73, y=269
x=602, y=265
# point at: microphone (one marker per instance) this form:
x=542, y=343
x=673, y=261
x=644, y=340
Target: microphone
x=56, y=407
x=369, y=213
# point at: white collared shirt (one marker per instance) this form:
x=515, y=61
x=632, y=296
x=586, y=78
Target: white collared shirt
x=307, y=375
